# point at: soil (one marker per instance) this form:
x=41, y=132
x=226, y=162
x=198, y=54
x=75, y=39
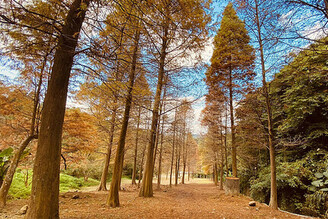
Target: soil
x=193, y=200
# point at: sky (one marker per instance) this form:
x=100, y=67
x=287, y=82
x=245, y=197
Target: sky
x=206, y=53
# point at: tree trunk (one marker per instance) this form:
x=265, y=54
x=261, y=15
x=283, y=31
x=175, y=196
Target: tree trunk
x=233, y=138
x=222, y=161
x=215, y=173
x=188, y=171
x=141, y=165
x=177, y=155
x=225, y=139
x=134, y=172
x=113, y=198
x=146, y=189
x=157, y=139
x=184, y=154
x=273, y=192
x=102, y=185
x=161, y=149
x=44, y=201
x=173, y=146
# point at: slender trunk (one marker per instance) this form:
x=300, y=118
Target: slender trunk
x=44, y=202
x=215, y=172
x=157, y=139
x=113, y=197
x=12, y=169
x=134, y=172
x=173, y=147
x=176, y=164
x=225, y=140
x=102, y=185
x=222, y=162
x=273, y=193
x=141, y=165
x=233, y=144
x=161, y=149
x=184, y=153
x=188, y=171
x=5, y=186
x=146, y=189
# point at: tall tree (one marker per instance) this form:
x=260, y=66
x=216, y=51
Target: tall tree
x=113, y=198
x=183, y=20
x=232, y=66
x=262, y=20
x=45, y=186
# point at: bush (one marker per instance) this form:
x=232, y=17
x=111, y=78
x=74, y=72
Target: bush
x=19, y=190
x=92, y=170
x=293, y=182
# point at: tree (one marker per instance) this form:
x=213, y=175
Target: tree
x=185, y=21
x=264, y=25
x=35, y=57
x=232, y=65
x=45, y=186
x=113, y=198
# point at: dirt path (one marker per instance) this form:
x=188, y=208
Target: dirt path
x=183, y=201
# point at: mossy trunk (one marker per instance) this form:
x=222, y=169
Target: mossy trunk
x=44, y=201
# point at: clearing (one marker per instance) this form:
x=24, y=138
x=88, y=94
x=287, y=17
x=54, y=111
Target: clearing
x=198, y=199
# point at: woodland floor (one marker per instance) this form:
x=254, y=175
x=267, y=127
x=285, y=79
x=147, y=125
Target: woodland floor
x=197, y=199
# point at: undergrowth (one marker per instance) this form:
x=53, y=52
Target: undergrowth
x=22, y=189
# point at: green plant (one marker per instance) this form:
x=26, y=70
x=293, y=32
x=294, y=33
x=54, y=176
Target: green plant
x=19, y=190
x=5, y=156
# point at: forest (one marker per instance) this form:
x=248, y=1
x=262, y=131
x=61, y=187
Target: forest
x=158, y=95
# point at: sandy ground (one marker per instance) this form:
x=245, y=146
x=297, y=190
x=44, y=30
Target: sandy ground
x=198, y=199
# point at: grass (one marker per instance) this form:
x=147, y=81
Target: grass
x=19, y=190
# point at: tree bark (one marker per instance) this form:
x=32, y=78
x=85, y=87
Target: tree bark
x=44, y=202
x=134, y=172
x=102, y=185
x=113, y=198
x=273, y=192
x=146, y=189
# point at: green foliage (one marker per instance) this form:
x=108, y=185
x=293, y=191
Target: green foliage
x=69, y=182
x=19, y=189
x=315, y=204
x=294, y=181
x=92, y=170
x=300, y=95
x=5, y=156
